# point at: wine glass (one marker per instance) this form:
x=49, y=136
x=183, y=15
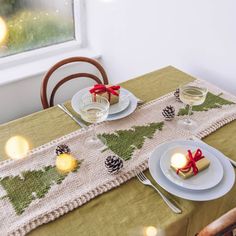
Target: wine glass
x=94, y=109
x=191, y=96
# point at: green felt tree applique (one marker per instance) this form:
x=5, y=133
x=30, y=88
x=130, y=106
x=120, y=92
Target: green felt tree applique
x=124, y=142
x=212, y=101
x=30, y=185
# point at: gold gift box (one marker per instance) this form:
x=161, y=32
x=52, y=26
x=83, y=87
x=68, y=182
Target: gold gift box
x=202, y=164
x=113, y=98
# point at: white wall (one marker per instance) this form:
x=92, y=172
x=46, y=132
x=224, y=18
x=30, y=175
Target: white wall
x=23, y=97
x=138, y=36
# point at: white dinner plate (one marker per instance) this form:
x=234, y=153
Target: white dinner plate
x=205, y=179
x=125, y=112
x=219, y=190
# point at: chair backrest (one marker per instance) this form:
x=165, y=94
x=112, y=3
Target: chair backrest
x=223, y=226
x=44, y=84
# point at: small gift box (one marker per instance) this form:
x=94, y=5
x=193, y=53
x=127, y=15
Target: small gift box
x=111, y=92
x=195, y=162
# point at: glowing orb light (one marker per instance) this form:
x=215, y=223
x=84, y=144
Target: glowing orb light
x=17, y=147
x=151, y=231
x=178, y=160
x=3, y=30
x=66, y=163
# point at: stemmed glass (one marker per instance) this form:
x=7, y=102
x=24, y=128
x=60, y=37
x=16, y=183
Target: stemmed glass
x=191, y=96
x=94, y=109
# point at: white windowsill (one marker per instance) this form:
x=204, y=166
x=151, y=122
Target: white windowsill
x=40, y=67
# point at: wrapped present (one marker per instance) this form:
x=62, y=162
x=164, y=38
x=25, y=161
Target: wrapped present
x=111, y=92
x=196, y=162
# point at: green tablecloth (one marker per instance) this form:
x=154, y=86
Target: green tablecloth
x=130, y=208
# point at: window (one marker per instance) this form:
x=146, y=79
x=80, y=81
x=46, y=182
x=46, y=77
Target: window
x=31, y=24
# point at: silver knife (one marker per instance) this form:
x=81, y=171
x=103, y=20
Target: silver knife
x=79, y=122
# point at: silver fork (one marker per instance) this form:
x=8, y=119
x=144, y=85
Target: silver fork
x=144, y=180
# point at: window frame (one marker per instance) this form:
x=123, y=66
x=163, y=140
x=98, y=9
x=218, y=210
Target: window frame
x=52, y=50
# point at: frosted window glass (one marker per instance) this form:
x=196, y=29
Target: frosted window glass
x=31, y=24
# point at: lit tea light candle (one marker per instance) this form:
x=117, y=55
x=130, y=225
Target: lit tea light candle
x=66, y=163
x=17, y=147
x=178, y=160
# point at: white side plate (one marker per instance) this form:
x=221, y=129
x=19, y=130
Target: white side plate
x=205, y=179
x=123, y=103
x=126, y=112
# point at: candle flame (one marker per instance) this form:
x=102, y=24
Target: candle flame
x=17, y=147
x=178, y=160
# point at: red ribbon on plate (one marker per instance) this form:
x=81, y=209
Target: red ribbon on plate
x=192, y=162
x=101, y=88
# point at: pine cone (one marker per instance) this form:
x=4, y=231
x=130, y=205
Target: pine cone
x=176, y=94
x=61, y=149
x=169, y=112
x=113, y=164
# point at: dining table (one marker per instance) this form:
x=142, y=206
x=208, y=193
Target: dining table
x=132, y=208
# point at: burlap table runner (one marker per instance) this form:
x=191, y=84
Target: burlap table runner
x=55, y=195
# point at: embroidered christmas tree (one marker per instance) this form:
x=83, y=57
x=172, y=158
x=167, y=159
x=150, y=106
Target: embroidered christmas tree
x=30, y=185
x=125, y=142
x=212, y=101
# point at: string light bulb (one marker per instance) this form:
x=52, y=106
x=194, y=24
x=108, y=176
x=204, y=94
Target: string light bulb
x=151, y=231
x=17, y=147
x=3, y=30
x=66, y=163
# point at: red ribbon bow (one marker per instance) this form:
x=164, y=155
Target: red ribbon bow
x=192, y=162
x=101, y=88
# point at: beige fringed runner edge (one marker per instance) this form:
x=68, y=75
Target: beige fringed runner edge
x=92, y=178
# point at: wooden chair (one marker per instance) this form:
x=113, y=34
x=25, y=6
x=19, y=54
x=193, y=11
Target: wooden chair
x=224, y=226
x=44, y=84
